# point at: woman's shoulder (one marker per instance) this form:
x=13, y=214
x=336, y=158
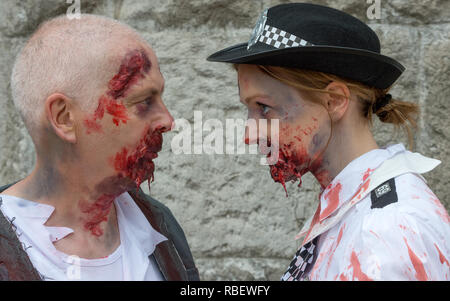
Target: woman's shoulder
x=416, y=198
x=408, y=236
x=412, y=204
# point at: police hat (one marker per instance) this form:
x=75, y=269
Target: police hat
x=318, y=38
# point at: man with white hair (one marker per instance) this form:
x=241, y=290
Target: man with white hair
x=90, y=94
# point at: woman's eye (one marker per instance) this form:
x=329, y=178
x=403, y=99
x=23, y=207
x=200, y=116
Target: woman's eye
x=265, y=109
x=148, y=101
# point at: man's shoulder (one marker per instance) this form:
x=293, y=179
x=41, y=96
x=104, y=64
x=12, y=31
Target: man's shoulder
x=4, y=187
x=162, y=220
x=157, y=209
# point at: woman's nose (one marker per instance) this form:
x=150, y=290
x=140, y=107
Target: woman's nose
x=251, y=133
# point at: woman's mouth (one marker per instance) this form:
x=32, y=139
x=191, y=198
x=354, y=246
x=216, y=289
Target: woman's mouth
x=284, y=166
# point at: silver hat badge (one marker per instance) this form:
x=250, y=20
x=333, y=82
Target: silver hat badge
x=258, y=30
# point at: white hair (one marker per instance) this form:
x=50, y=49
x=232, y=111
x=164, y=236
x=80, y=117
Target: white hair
x=65, y=56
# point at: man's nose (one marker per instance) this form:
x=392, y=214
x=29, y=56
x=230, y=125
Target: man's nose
x=165, y=121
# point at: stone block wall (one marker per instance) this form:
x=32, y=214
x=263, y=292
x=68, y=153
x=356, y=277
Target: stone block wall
x=238, y=222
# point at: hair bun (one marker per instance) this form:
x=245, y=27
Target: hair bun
x=381, y=102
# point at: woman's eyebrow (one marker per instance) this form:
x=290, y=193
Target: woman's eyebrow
x=249, y=98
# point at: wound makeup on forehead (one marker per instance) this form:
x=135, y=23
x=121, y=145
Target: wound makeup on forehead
x=134, y=66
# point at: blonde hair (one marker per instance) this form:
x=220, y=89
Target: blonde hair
x=399, y=113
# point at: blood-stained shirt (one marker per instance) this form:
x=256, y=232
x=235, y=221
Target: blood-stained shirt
x=130, y=261
x=396, y=231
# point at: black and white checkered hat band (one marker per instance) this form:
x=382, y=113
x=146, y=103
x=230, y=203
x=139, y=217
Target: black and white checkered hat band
x=281, y=39
x=301, y=264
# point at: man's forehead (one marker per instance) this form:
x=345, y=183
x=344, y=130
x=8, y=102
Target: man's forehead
x=152, y=83
x=131, y=68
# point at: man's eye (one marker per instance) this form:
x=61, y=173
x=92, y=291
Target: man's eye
x=144, y=106
x=264, y=109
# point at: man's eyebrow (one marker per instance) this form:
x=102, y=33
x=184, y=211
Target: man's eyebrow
x=138, y=96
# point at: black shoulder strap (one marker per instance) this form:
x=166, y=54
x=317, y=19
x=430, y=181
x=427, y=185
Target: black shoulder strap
x=384, y=194
x=14, y=261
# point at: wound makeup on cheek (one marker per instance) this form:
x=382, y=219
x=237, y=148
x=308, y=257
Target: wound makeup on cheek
x=92, y=126
x=293, y=159
x=133, y=166
x=112, y=107
x=285, y=169
x=137, y=164
x=118, y=111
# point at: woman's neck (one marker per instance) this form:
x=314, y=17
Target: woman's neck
x=344, y=147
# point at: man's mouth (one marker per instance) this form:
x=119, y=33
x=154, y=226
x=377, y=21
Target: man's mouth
x=138, y=164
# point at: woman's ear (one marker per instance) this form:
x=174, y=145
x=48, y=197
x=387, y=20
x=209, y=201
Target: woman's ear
x=59, y=111
x=337, y=105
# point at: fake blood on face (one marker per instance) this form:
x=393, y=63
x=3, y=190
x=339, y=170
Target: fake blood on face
x=133, y=67
x=132, y=167
x=286, y=167
x=138, y=165
x=294, y=160
x=117, y=110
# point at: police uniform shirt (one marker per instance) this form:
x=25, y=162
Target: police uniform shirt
x=371, y=225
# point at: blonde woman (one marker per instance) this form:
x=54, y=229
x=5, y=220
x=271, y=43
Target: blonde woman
x=319, y=71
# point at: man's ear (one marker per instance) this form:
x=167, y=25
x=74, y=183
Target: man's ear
x=59, y=110
x=337, y=105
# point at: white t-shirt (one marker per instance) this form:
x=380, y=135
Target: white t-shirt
x=407, y=239
x=130, y=261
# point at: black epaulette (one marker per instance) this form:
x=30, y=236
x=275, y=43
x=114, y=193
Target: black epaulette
x=384, y=194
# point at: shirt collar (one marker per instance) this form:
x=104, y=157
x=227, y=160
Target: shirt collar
x=30, y=213
x=346, y=184
x=138, y=237
x=136, y=224
x=131, y=217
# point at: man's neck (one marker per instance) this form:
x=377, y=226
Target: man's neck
x=87, y=208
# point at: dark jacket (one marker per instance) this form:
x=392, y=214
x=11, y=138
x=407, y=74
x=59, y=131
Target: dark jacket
x=173, y=256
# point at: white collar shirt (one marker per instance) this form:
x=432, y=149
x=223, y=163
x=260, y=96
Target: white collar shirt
x=130, y=261
x=405, y=240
